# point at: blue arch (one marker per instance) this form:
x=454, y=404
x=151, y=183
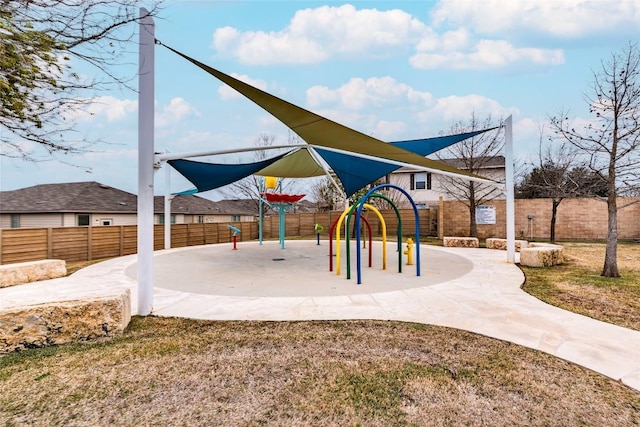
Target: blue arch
x=359, y=213
x=395, y=208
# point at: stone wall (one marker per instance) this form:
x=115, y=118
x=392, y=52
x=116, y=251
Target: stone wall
x=576, y=219
x=32, y=271
x=62, y=322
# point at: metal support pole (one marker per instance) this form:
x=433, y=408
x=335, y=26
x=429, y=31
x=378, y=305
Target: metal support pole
x=509, y=181
x=145, y=162
x=167, y=207
x=260, y=211
x=282, y=224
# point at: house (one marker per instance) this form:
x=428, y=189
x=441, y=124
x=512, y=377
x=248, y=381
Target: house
x=195, y=209
x=426, y=188
x=95, y=204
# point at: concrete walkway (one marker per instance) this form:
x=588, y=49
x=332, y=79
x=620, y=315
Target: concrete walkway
x=470, y=289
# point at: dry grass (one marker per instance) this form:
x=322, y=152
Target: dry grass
x=184, y=372
x=73, y=266
x=577, y=285
x=166, y=371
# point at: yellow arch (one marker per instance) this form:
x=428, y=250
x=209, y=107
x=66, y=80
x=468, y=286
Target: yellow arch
x=384, y=236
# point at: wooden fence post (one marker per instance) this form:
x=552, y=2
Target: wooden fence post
x=89, y=243
x=440, y=218
x=49, y=243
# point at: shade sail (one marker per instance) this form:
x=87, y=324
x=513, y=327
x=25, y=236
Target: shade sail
x=355, y=172
x=319, y=131
x=297, y=164
x=427, y=146
x=208, y=176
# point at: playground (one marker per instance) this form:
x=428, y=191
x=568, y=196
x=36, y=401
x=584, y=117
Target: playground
x=302, y=269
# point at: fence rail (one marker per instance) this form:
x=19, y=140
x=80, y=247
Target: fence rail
x=89, y=243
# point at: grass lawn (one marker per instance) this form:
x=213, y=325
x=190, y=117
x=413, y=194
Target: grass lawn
x=166, y=371
x=577, y=285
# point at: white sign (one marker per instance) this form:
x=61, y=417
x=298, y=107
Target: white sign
x=485, y=215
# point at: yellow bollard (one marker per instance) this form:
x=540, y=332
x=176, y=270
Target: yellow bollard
x=409, y=251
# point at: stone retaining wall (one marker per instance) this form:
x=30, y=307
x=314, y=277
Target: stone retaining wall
x=31, y=271
x=461, y=242
x=501, y=244
x=542, y=255
x=62, y=322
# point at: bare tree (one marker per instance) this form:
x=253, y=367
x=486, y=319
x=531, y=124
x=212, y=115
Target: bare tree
x=251, y=186
x=326, y=195
x=610, y=143
x=558, y=175
x=475, y=155
x=42, y=42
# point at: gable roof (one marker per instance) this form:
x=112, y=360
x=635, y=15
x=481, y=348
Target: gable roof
x=90, y=197
x=200, y=206
x=68, y=197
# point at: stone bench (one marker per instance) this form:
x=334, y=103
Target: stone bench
x=541, y=255
x=60, y=322
x=461, y=242
x=501, y=244
x=31, y=271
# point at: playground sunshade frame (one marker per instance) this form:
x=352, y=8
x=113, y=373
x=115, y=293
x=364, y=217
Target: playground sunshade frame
x=356, y=158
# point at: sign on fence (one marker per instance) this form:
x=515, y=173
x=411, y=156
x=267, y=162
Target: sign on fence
x=485, y=215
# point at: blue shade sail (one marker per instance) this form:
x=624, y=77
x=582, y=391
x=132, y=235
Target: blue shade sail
x=426, y=146
x=319, y=131
x=355, y=172
x=208, y=176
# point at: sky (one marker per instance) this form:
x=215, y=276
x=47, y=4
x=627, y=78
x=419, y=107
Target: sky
x=394, y=70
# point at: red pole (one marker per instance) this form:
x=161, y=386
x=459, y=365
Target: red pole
x=235, y=238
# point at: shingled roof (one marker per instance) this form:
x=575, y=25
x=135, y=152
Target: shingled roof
x=200, y=206
x=68, y=197
x=89, y=197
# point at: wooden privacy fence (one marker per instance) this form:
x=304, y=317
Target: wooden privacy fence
x=89, y=243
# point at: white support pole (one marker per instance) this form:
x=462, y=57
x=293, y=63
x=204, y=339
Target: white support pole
x=145, y=162
x=167, y=206
x=509, y=181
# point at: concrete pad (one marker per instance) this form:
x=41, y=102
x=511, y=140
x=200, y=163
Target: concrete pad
x=466, y=288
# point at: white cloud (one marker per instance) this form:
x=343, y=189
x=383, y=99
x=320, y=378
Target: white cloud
x=566, y=18
x=109, y=107
x=487, y=54
x=344, y=32
x=358, y=94
x=387, y=130
x=315, y=35
x=452, y=108
x=226, y=92
x=172, y=113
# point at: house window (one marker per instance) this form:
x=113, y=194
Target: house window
x=200, y=219
x=420, y=181
x=161, y=219
x=84, y=219
x=235, y=218
x=15, y=220
x=106, y=221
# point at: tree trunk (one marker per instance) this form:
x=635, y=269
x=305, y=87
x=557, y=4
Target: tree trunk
x=610, y=268
x=473, y=225
x=554, y=213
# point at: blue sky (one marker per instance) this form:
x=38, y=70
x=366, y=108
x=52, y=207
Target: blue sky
x=392, y=69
